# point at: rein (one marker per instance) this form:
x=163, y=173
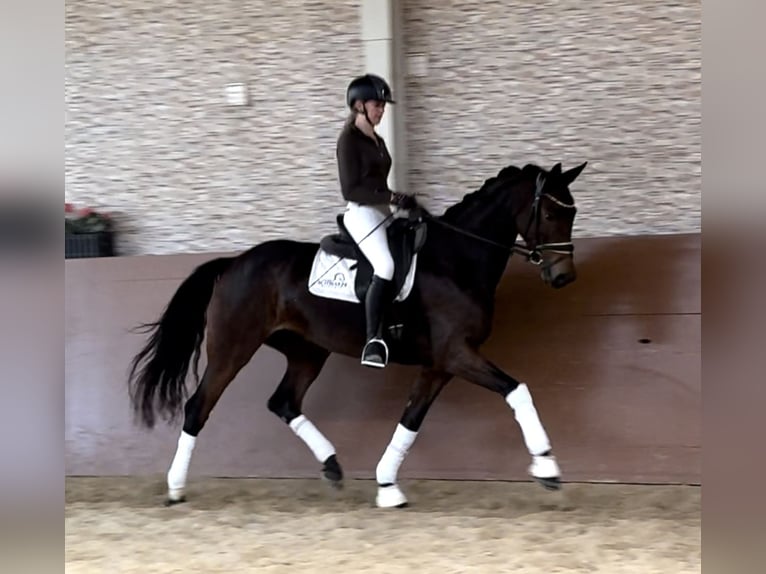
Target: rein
x=534, y=255
x=530, y=254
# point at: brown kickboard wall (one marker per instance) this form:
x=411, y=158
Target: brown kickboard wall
x=617, y=409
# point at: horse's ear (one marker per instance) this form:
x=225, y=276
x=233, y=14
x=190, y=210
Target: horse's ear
x=556, y=169
x=570, y=175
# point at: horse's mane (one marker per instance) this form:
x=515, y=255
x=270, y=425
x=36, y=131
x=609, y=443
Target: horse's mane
x=504, y=176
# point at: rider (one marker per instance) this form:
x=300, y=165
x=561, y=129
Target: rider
x=363, y=167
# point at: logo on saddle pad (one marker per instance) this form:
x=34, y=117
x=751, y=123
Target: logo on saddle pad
x=336, y=282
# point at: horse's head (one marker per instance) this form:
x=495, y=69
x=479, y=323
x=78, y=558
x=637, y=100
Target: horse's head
x=545, y=221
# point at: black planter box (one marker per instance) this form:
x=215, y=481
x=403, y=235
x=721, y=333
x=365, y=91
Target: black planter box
x=98, y=244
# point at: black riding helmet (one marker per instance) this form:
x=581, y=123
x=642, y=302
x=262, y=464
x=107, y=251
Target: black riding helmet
x=368, y=87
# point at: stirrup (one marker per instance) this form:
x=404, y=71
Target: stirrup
x=375, y=353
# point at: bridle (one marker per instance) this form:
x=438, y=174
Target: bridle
x=534, y=255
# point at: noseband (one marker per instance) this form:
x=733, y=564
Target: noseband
x=534, y=255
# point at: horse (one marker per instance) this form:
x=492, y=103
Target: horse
x=262, y=296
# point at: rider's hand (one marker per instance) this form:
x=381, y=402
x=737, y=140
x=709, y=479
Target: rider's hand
x=399, y=212
x=403, y=200
x=403, y=206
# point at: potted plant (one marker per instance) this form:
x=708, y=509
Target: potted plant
x=87, y=233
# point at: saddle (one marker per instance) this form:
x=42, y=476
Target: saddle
x=405, y=239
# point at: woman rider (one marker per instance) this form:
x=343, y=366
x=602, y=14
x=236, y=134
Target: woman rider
x=363, y=167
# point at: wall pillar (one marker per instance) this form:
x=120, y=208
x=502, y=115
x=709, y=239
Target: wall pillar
x=382, y=39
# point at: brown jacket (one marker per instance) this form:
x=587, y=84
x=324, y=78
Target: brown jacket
x=363, y=167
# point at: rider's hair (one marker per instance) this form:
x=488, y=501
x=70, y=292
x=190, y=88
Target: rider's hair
x=351, y=118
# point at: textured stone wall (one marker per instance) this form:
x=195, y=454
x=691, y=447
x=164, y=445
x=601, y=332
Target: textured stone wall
x=616, y=83
x=150, y=138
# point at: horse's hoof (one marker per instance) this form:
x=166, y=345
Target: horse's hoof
x=389, y=496
x=332, y=472
x=553, y=483
x=545, y=470
x=175, y=496
x=172, y=502
x=335, y=484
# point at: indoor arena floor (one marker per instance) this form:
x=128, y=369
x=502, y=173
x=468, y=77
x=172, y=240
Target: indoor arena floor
x=120, y=526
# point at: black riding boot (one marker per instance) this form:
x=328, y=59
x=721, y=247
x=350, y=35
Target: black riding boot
x=375, y=352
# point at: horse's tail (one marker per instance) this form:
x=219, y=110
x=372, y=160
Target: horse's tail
x=159, y=370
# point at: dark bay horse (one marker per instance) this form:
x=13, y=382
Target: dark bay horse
x=261, y=297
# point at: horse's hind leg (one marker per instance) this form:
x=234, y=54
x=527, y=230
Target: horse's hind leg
x=216, y=378
x=227, y=355
x=427, y=387
x=304, y=362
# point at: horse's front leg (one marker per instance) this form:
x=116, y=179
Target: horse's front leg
x=425, y=390
x=471, y=366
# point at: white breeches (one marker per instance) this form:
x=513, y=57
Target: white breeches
x=361, y=220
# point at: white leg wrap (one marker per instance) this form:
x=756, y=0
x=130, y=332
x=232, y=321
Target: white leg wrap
x=315, y=440
x=532, y=429
x=544, y=467
x=392, y=458
x=390, y=497
x=179, y=468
